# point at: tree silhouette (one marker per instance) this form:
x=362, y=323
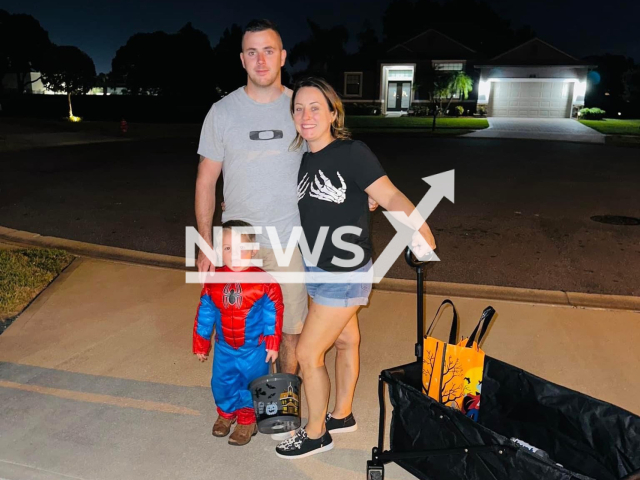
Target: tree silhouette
x=400, y=23
x=631, y=81
x=449, y=390
x=368, y=44
x=229, y=74
x=69, y=70
x=24, y=46
x=324, y=51
x=428, y=367
x=102, y=82
x=159, y=63
x=608, y=82
x=471, y=22
x=194, y=61
x=432, y=85
x=144, y=62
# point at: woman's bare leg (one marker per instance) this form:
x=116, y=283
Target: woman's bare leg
x=322, y=328
x=347, y=367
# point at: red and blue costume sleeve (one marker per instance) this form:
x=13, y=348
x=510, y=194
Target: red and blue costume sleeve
x=207, y=316
x=272, y=316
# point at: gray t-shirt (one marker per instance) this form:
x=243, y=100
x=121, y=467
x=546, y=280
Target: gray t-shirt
x=260, y=174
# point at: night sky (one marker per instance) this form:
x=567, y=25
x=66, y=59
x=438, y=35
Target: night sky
x=579, y=27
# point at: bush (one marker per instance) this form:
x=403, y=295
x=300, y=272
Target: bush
x=482, y=110
x=362, y=109
x=419, y=110
x=591, y=114
x=455, y=111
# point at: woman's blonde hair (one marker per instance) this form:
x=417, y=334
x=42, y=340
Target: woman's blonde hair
x=338, y=129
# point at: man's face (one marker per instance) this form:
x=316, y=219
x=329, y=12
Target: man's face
x=262, y=57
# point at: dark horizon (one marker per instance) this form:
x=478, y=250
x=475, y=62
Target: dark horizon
x=100, y=29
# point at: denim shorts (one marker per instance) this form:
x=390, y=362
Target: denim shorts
x=343, y=294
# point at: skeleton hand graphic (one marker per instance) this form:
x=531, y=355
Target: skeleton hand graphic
x=327, y=191
x=302, y=186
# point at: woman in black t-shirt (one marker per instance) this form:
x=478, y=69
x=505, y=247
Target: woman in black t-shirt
x=337, y=175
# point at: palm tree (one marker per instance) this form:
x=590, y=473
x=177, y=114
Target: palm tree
x=459, y=83
x=435, y=85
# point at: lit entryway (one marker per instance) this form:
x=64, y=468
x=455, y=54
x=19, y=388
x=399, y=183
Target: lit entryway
x=396, y=87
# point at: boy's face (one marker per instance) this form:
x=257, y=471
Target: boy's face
x=231, y=245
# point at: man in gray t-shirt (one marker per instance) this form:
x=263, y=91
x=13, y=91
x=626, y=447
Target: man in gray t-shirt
x=252, y=141
x=246, y=137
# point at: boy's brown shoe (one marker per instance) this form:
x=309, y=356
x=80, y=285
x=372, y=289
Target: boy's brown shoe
x=242, y=434
x=222, y=427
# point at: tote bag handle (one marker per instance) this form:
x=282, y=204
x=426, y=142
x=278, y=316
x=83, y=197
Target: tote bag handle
x=485, y=321
x=454, y=323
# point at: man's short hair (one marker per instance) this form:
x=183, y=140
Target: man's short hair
x=260, y=25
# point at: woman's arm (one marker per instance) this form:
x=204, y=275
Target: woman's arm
x=389, y=197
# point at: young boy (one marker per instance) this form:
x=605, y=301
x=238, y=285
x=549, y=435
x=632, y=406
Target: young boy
x=247, y=318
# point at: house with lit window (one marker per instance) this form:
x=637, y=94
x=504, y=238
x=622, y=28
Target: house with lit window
x=393, y=81
x=534, y=79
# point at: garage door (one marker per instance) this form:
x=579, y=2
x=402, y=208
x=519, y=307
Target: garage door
x=531, y=99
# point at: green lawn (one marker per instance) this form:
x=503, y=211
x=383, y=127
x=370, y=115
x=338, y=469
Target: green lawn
x=358, y=122
x=613, y=126
x=24, y=273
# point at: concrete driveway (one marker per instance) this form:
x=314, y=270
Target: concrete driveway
x=98, y=382
x=561, y=129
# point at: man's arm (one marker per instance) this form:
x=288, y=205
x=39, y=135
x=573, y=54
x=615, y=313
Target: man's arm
x=208, y=174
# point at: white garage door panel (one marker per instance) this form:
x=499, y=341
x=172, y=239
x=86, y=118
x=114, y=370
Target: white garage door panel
x=531, y=99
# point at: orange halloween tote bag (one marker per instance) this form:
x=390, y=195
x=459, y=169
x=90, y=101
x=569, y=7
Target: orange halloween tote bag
x=452, y=371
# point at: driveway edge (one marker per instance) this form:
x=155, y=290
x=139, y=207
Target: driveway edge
x=489, y=292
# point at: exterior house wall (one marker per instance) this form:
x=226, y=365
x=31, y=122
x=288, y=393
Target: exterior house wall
x=528, y=71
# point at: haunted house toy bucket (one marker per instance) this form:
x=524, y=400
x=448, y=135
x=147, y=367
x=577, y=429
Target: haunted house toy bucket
x=276, y=400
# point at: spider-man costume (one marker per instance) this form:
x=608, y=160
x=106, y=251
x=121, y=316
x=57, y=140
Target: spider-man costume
x=248, y=321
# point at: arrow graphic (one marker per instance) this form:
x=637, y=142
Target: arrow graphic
x=442, y=186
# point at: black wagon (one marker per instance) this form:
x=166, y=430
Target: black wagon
x=576, y=436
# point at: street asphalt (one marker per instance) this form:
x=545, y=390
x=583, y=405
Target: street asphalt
x=522, y=216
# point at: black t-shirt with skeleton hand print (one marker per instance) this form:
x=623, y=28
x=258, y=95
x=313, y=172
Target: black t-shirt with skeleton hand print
x=331, y=193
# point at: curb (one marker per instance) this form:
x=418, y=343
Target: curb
x=515, y=294
x=489, y=292
x=83, y=249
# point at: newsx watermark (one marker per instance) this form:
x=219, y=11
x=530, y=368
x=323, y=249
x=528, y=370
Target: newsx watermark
x=442, y=186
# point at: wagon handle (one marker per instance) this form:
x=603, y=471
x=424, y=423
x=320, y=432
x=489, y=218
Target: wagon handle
x=412, y=260
x=419, y=267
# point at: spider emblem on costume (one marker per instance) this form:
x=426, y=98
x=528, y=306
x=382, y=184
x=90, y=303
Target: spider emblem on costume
x=232, y=295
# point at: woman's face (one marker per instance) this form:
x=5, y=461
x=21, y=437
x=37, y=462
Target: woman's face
x=311, y=115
